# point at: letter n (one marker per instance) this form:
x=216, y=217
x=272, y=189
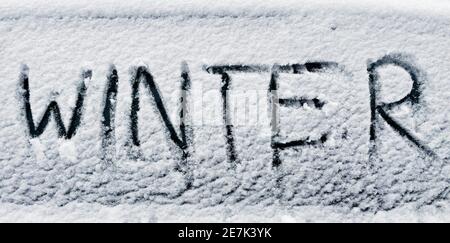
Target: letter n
x=183, y=140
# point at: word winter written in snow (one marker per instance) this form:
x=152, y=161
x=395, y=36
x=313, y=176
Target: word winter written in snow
x=182, y=140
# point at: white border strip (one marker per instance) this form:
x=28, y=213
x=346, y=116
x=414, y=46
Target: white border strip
x=13, y=9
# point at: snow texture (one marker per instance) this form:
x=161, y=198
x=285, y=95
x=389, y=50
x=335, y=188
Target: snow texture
x=326, y=59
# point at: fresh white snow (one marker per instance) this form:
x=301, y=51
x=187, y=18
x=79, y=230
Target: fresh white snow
x=49, y=178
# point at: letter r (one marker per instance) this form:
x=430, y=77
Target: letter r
x=413, y=98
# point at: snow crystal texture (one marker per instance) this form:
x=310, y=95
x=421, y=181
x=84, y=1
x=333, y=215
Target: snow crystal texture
x=58, y=41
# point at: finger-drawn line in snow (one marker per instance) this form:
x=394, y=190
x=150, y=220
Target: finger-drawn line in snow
x=109, y=115
x=225, y=70
x=413, y=98
x=275, y=102
x=183, y=141
x=52, y=108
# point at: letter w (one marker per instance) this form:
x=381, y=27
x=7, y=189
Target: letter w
x=53, y=108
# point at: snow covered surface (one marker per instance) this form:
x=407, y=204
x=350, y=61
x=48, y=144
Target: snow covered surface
x=53, y=179
x=146, y=213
